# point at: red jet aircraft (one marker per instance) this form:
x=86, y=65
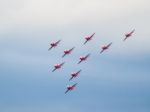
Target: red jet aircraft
x=88, y=38
x=83, y=58
x=58, y=66
x=54, y=44
x=74, y=74
x=129, y=34
x=66, y=52
x=105, y=47
x=70, y=87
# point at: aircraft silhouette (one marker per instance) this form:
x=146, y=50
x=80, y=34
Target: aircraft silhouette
x=88, y=38
x=58, y=66
x=83, y=58
x=127, y=35
x=54, y=44
x=67, y=52
x=70, y=88
x=105, y=47
x=74, y=74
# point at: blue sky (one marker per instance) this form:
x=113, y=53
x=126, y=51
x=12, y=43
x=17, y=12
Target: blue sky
x=116, y=81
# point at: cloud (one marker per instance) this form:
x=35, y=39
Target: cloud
x=119, y=76
x=64, y=12
x=72, y=20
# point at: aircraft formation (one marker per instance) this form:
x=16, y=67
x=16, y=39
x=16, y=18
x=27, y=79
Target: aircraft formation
x=81, y=58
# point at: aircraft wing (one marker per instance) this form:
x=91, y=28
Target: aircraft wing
x=79, y=71
x=87, y=55
x=58, y=41
x=72, y=49
x=66, y=91
x=79, y=61
x=50, y=48
x=102, y=50
x=53, y=69
x=71, y=78
x=109, y=44
x=85, y=42
x=92, y=35
x=63, y=55
x=62, y=64
x=75, y=85
x=132, y=31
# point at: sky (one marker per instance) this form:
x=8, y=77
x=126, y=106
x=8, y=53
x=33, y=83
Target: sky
x=116, y=81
